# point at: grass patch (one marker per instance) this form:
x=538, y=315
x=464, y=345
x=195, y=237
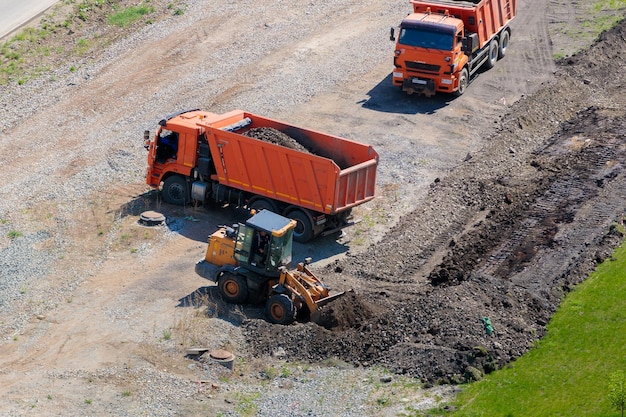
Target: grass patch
x=592, y=18
x=129, y=15
x=70, y=29
x=82, y=46
x=245, y=403
x=568, y=371
x=14, y=234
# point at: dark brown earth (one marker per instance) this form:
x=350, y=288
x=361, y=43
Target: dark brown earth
x=271, y=135
x=505, y=236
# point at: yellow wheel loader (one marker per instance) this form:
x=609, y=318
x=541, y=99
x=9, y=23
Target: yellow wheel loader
x=249, y=262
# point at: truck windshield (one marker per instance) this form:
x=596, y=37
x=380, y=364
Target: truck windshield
x=426, y=39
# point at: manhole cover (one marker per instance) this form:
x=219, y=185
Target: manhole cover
x=221, y=355
x=151, y=218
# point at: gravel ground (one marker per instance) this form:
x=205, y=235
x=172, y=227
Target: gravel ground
x=85, y=126
x=124, y=161
x=44, y=197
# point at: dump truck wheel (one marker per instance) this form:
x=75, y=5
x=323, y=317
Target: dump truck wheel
x=463, y=82
x=504, y=43
x=303, y=232
x=176, y=190
x=493, y=54
x=259, y=204
x=233, y=288
x=280, y=309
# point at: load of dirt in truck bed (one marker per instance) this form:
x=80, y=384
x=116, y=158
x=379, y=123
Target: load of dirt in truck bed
x=275, y=136
x=468, y=281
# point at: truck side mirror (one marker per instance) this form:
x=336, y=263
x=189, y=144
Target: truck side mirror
x=392, y=35
x=146, y=139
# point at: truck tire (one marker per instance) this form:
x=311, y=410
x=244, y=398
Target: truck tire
x=280, y=309
x=492, y=57
x=303, y=232
x=233, y=288
x=260, y=203
x=176, y=190
x=504, y=44
x=463, y=82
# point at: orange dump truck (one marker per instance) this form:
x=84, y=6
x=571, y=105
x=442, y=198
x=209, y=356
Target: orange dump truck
x=200, y=156
x=444, y=42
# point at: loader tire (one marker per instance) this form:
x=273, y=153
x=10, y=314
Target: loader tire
x=234, y=288
x=280, y=309
x=176, y=190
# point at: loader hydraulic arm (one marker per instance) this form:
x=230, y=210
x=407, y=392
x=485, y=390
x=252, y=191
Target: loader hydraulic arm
x=308, y=288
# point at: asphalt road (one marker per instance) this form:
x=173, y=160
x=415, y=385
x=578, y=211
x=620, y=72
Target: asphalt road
x=14, y=14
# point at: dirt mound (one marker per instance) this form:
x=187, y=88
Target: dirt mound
x=348, y=311
x=275, y=136
x=503, y=237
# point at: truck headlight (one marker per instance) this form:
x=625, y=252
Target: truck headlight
x=446, y=81
x=397, y=75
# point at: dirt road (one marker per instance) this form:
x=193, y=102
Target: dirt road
x=491, y=205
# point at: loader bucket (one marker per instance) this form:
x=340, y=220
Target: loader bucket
x=328, y=299
x=316, y=316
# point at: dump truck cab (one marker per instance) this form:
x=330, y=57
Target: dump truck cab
x=429, y=53
x=444, y=42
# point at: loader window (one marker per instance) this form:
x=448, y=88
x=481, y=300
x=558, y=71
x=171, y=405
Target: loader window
x=280, y=250
x=243, y=246
x=426, y=39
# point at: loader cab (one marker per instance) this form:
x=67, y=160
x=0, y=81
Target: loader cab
x=275, y=251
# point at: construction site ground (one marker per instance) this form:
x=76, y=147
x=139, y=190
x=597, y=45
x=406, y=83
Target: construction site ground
x=491, y=205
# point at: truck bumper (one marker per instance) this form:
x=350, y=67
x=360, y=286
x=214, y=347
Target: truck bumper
x=421, y=86
x=207, y=270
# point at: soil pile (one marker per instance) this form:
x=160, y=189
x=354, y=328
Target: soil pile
x=503, y=237
x=275, y=136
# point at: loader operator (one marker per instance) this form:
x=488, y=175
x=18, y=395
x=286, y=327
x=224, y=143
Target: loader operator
x=260, y=246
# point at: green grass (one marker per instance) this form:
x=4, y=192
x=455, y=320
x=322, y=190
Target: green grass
x=14, y=234
x=33, y=52
x=567, y=373
x=245, y=403
x=129, y=15
x=593, y=18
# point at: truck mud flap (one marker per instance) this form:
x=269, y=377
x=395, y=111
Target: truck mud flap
x=338, y=228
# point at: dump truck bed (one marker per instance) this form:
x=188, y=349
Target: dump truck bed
x=335, y=175
x=485, y=17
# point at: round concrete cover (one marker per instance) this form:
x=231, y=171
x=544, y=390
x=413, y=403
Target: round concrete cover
x=221, y=354
x=151, y=218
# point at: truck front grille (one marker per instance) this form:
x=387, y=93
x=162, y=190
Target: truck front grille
x=421, y=67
